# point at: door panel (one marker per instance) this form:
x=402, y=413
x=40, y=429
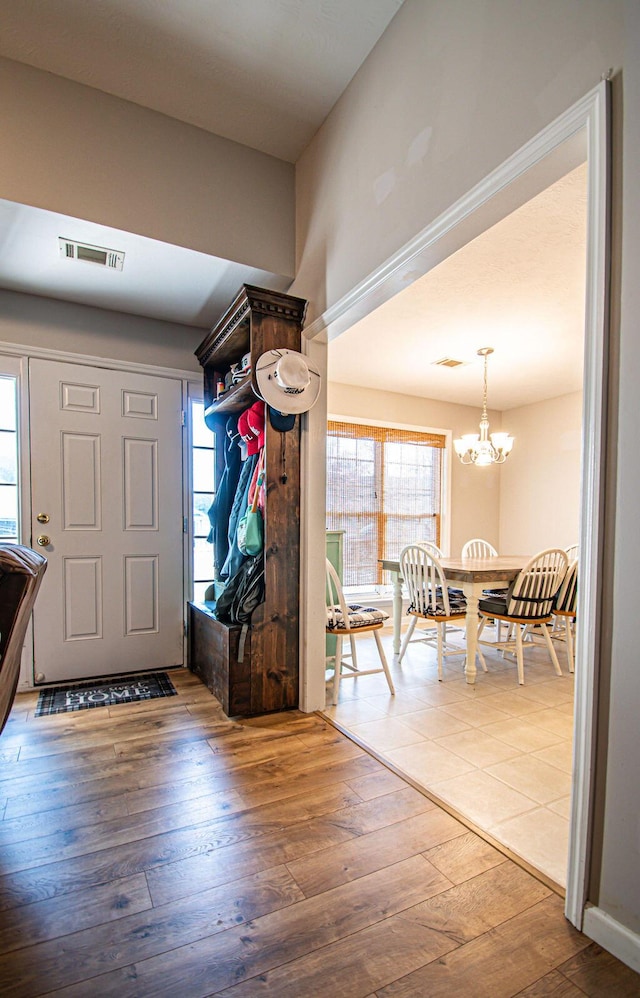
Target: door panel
x=106, y=452
x=141, y=595
x=81, y=478
x=140, y=484
x=82, y=606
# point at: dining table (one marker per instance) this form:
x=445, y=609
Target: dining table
x=473, y=576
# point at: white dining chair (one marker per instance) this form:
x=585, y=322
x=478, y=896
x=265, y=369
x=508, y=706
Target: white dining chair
x=572, y=552
x=430, y=599
x=565, y=610
x=352, y=621
x=432, y=546
x=529, y=601
x=478, y=548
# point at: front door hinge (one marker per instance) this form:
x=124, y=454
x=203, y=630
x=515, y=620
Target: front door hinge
x=185, y=524
x=183, y=418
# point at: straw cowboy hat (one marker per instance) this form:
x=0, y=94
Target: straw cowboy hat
x=287, y=381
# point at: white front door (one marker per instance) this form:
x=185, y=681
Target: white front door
x=106, y=459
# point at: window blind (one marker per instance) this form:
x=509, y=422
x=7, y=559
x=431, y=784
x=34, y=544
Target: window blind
x=384, y=491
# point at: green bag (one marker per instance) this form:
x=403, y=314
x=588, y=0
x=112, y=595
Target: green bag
x=250, y=527
x=250, y=532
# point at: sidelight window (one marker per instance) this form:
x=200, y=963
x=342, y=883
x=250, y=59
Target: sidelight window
x=8, y=461
x=202, y=471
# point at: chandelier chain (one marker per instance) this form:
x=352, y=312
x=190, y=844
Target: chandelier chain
x=485, y=414
x=484, y=448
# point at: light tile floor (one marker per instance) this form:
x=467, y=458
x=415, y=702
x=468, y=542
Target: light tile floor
x=499, y=753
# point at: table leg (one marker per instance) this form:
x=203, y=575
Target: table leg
x=471, y=593
x=397, y=611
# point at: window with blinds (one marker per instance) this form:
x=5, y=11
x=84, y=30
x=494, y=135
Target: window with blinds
x=384, y=490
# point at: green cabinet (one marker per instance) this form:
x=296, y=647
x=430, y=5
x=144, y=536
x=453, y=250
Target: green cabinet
x=334, y=547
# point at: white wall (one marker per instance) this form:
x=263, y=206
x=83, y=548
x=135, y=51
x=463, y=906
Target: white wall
x=475, y=492
x=75, y=150
x=28, y=320
x=540, y=482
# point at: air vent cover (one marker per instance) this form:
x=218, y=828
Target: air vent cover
x=448, y=362
x=72, y=250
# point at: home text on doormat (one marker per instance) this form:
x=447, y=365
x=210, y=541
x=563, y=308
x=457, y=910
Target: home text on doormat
x=121, y=689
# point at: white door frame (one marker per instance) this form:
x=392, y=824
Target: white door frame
x=581, y=132
x=21, y=354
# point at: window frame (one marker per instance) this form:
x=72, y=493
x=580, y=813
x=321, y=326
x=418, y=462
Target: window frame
x=195, y=394
x=14, y=367
x=14, y=432
x=445, y=479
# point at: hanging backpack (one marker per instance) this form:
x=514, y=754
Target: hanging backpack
x=241, y=595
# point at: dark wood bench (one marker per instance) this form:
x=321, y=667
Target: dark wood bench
x=213, y=657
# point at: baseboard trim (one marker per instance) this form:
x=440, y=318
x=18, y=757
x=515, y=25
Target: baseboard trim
x=612, y=936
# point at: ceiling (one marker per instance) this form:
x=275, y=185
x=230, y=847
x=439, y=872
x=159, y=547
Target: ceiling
x=266, y=73
x=157, y=280
x=519, y=288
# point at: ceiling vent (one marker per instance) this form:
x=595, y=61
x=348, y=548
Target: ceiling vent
x=448, y=362
x=71, y=250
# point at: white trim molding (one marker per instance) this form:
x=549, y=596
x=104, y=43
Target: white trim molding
x=596, y=120
x=45, y=353
x=431, y=245
x=612, y=936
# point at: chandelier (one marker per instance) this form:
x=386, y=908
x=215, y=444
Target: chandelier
x=484, y=448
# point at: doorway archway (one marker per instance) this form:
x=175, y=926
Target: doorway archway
x=511, y=184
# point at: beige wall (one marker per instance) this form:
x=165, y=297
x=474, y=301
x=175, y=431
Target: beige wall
x=531, y=502
x=475, y=492
x=618, y=882
x=540, y=483
x=451, y=90
x=30, y=321
x=81, y=152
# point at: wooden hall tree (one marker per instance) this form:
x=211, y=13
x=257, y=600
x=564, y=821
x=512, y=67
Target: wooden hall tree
x=267, y=678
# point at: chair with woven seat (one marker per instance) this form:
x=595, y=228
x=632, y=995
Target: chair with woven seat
x=352, y=621
x=528, y=602
x=432, y=600
x=21, y=572
x=478, y=548
x=565, y=610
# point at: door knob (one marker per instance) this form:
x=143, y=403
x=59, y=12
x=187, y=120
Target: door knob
x=43, y=540
x=42, y=517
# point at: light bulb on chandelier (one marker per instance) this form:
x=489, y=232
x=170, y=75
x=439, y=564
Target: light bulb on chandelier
x=484, y=448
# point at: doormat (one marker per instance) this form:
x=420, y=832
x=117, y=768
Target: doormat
x=122, y=689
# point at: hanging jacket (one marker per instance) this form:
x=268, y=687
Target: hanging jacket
x=220, y=508
x=235, y=557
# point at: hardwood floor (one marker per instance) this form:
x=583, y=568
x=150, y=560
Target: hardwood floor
x=497, y=754
x=159, y=848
